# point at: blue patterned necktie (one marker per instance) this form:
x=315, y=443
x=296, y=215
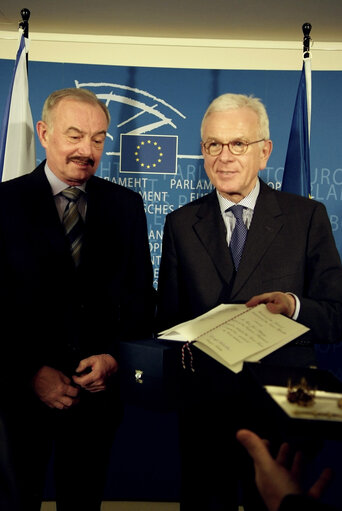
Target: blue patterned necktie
x=73, y=223
x=239, y=235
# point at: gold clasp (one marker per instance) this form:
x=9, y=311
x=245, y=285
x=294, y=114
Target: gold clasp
x=139, y=376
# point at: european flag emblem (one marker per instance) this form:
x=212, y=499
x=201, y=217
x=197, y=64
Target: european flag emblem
x=149, y=154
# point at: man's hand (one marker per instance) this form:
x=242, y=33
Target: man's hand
x=54, y=388
x=273, y=479
x=97, y=369
x=276, y=302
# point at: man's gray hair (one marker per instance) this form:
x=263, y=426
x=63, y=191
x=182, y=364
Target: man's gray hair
x=83, y=95
x=230, y=101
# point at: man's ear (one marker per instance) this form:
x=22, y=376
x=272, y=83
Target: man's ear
x=265, y=153
x=42, y=131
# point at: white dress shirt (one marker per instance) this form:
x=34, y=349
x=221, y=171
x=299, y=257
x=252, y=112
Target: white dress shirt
x=57, y=186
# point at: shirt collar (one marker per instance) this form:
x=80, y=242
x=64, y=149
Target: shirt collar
x=248, y=201
x=57, y=186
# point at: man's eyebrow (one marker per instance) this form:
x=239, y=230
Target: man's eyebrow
x=73, y=128
x=214, y=139
x=235, y=139
x=102, y=132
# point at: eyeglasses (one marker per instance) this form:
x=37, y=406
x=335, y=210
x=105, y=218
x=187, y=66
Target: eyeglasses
x=236, y=147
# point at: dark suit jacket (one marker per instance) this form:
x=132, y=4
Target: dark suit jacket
x=303, y=503
x=8, y=488
x=289, y=247
x=55, y=314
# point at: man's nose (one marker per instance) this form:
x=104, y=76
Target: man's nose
x=226, y=154
x=85, y=147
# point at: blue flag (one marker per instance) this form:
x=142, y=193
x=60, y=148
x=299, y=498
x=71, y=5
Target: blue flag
x=296, y=177
x=17, y=142
x=149, y=154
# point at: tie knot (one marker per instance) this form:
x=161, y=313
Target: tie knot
x=237, y=211
x=72, y=194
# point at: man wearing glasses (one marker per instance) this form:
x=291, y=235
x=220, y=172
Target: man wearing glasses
x=284, y=255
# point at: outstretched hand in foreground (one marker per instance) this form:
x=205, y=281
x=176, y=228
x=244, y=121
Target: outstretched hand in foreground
x=276, y=478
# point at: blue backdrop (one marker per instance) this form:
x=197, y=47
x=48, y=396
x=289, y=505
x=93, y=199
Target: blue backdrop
x=171, y=103
x=154, y=101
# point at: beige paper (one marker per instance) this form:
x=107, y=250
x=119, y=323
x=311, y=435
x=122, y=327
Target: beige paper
x=232, y=334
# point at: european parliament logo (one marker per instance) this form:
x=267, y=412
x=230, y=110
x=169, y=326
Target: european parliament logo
x=149, y=154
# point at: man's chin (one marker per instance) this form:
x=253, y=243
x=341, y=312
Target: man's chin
x=78, y=178
x=81, y=173
x=230, y=194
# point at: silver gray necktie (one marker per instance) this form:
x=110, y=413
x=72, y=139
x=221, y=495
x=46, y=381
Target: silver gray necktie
x=73, y=223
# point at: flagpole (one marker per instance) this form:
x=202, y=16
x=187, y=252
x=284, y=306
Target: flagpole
x=306, y=39
x=307, y=69
x=296, y=176
x=24, y=24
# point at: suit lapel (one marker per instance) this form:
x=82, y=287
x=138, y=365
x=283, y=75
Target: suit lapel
x=100, y=224
x=267, y=222
x=211, y=230
x=93, y=204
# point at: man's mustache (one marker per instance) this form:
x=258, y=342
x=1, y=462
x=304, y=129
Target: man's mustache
x=88, y=161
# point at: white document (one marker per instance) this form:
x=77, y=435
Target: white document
x=233, y=334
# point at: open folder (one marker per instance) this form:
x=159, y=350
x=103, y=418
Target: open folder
x=233, y=334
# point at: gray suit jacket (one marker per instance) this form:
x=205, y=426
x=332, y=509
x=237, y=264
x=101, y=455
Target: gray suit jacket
x=289, y=247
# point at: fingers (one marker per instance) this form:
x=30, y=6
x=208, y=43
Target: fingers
x=62, y=401
x=96, y=388
x=298, y=466
x=93, y=381
x=87, y=379
x=270, y=299
x=321, y=484
x=54, y=388
x=283, y=455
x=85, y=372
x=67, y=397
x=276, y=308
x=256, y=300
x=276, y=302
x=94, y=372
x=71, y=391
x=65, y=402
x=255, y=447
x=85, y=364
x=90, y=382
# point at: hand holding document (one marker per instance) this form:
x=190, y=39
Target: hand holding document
x=233, y=334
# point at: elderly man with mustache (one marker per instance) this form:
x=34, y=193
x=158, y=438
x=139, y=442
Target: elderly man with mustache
x=76, y=278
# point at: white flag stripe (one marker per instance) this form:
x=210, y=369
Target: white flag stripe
x=19, y=157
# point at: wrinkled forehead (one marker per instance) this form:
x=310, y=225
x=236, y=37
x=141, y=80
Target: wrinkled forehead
x=68, y=106
x=230, y=124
